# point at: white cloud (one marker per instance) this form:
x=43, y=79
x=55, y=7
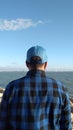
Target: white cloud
x=18, y=24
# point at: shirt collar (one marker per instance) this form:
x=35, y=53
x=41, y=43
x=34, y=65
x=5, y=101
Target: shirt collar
x=36, y=73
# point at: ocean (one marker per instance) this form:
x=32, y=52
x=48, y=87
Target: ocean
x=65, y=77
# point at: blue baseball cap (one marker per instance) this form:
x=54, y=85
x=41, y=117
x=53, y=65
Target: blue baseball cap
x=36, y=51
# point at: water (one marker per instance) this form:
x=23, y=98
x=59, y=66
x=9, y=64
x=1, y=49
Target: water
x=65, y=77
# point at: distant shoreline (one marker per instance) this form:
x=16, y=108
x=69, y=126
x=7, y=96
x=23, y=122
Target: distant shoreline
x=46, y=71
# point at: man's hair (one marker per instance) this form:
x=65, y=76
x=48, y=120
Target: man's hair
x=34, y=62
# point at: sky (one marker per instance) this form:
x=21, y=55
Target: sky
x=26, y=23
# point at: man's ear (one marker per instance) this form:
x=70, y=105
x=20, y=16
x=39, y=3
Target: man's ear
x=45, y=65
x=27, y=64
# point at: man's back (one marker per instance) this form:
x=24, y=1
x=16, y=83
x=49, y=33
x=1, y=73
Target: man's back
x=35, y=102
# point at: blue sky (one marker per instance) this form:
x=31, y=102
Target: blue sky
x=25, y=23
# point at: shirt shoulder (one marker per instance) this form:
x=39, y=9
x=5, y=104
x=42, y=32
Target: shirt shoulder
x=14, y=84
x=57, y=84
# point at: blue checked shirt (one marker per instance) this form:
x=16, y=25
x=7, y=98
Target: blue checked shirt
x=35, y=102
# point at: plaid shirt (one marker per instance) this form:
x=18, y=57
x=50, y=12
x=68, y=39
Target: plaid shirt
x=35, y=102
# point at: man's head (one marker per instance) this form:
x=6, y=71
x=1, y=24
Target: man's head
x=36, y=58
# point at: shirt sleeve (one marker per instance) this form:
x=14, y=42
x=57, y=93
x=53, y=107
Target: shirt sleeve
x=65, y=122
x=4, y=110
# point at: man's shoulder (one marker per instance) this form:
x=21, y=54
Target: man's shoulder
x=14, y=85
x=56, y=82
x=15, y=82
x=53, y=80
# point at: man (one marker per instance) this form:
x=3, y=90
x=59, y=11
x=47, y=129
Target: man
x=35, y=102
